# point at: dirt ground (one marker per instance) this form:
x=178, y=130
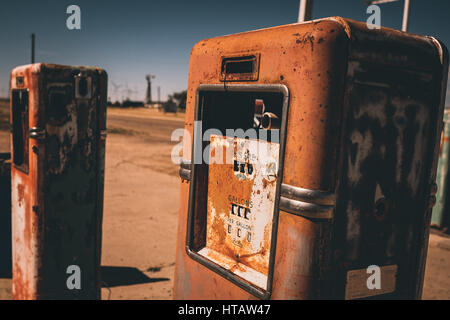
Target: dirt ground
x=141, y=206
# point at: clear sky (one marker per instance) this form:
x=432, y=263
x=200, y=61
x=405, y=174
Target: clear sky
x=132, y=38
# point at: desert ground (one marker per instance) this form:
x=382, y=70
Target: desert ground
x=141, y=207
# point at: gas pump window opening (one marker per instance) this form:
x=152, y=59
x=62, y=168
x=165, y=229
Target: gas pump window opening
x=232, y=227
x=20, y=128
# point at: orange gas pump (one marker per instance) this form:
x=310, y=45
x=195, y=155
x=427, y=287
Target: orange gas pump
x=310, y=156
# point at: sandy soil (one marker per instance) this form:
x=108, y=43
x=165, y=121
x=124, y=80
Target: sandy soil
x=140, y=214
x=437, y=273
x=141, y=206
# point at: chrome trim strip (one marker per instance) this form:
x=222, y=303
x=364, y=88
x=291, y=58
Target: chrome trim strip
x=246, y=87
x=308, y=195
x=311, y=204
x=37, y=133
x=307, y=210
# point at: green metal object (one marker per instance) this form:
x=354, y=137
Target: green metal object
x=441, y=211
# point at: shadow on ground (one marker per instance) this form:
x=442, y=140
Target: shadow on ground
x=125, y=276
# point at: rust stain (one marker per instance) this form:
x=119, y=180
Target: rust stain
x=233, y=229
x=21, y=193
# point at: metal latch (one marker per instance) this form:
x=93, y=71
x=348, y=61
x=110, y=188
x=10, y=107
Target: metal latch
x=103, y=134
x=432, y=198
x=185, y=169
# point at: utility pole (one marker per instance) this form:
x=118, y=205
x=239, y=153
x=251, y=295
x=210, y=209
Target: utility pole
x=405, y=16
x=305, y=10
x=159, y=94
x=405, y=10
x=32, y=47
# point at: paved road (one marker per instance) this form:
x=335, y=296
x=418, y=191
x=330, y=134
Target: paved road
x=155, y=127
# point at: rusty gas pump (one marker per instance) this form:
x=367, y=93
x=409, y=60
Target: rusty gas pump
x=346, y=188
x=58, y=120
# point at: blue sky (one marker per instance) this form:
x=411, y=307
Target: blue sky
x=132, y=38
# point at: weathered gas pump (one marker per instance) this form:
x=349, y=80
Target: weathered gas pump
x=310, y=159
x=58, y=118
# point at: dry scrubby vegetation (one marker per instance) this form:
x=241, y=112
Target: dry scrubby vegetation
x=4, y=114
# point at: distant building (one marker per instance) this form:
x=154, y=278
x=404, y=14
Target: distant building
x=154, y=105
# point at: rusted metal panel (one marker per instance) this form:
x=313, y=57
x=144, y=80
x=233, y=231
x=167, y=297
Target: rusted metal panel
x=240, y=206
x=385, y=182
x=57, y=199
x=358, y=162
x=390, y=143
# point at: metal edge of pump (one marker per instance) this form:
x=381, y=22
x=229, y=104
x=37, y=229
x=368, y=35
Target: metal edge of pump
x=443, y=53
